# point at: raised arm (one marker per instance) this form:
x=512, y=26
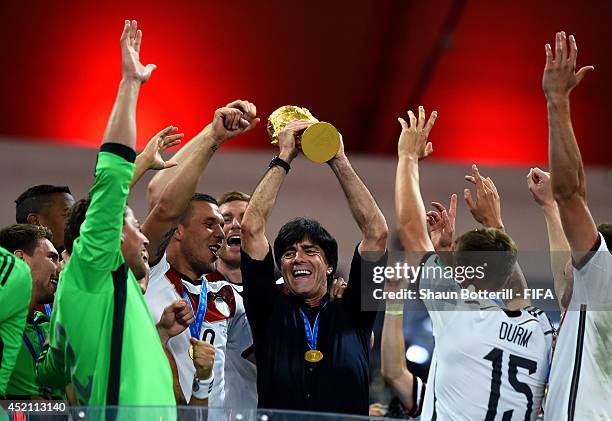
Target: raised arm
x=409, y=208
x=366, y=212
x=121, y=127
x=392, y=352
x=161, y=179
x=567, y=172
x=253, y=226
x=540, y=186
x=486, y=209
x=227, y=123
x=99, y=242
x=150, y=158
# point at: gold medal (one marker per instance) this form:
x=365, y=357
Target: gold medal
x=190, y=351
x=313, y=356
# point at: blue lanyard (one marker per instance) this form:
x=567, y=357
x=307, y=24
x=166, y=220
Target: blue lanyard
x=196, y=327
x=311, y=332
x=30, y=345
x=48, y=309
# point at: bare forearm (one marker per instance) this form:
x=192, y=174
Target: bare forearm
x=140, y=167
x=556, y=236
x=163, y=335
x=392, y=359
x=177, y=194
x=253, y=226
x=564, y=155
x=161, y=179
x=121, y=127
x=568, y=180
x=560, y=253
x=366, y=212
x=409, y=207
x=181, y=187
x=263, y=198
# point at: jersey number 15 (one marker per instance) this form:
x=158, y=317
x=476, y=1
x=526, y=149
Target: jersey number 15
x=495, y=356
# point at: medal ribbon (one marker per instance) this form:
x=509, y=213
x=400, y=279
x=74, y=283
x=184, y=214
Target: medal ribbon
x=30, y=345
x=311, y=332
x=196, y=327
x=48, y=309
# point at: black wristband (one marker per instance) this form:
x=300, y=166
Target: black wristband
x=281, y=163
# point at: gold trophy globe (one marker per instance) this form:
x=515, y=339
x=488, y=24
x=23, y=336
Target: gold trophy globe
x=319, y=142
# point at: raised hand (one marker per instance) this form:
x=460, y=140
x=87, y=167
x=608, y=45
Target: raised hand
x=413, y=140
x=442, y=224
x=228, y=123
x=203, y=358
x=287, y=139
x=131, y=39
x=336, y=291
x=176, y=317
x=540, y=186
x=486, y=209
x=151, y=154
x=249, y=112
x=560, y=75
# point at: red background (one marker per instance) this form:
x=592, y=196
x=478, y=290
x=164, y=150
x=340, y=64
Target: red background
x=356, y=64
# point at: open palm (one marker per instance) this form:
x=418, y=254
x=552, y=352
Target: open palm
x=131, y=39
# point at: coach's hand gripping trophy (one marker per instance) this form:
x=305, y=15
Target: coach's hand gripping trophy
x=320, y=142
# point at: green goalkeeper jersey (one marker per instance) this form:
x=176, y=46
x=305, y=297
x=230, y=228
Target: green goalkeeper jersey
x=102, y=337
x=23, y=382
x=15, y=294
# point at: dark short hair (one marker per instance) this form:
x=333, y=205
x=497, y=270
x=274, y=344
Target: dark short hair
x=491, y=248
x=23, y=237
x=74, y=219
x=299, y=229
x=606, y=232
x=36, y=200
x=197, y=197
x=232, y=196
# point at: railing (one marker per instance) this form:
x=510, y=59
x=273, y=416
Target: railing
x=182, y=413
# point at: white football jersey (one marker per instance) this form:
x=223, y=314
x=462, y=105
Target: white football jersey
x=240, y=371
x=220, y=308
x=488, y=364
x=581, y=376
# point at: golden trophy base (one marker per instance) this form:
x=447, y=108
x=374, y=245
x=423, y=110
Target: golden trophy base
x=320, y=142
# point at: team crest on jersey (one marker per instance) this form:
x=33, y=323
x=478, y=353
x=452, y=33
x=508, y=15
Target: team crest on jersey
x=220, y=304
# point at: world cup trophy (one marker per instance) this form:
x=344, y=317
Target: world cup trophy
x=320, y=142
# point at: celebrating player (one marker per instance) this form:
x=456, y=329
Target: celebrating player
x=15, y=294
x=487, y=361
x=580, y=381
x=32, y=244
x=102, y=335
x=189, y=229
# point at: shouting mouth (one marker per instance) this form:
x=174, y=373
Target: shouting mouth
x=214, y=249
x=233, y=241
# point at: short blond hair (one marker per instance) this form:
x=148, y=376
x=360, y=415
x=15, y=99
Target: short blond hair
x=232, y=196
